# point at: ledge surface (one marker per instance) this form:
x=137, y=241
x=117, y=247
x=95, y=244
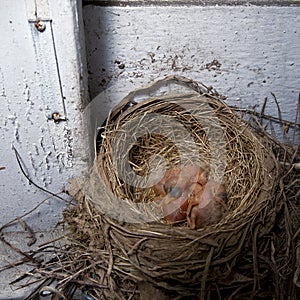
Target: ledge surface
x=192, y=2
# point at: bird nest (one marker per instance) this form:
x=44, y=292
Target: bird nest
x=123, y=244
x=127, y=229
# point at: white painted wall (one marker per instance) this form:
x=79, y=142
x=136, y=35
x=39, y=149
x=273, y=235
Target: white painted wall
x=256, y=50
x=40, y=73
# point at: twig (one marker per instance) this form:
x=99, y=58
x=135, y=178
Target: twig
x=296, y=119
x=29, y=257
x=262, y=112
x=19, y=160
x=53, y=240
x=296, y=166
x=29, y=230
x=205, y=273
x=254, y=256
x=25, y=214
x=14, y=264
x=278, y=107
x=272, y=118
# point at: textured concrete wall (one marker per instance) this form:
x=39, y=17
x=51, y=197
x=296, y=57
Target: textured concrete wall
x=245, y=52
x=40, y=73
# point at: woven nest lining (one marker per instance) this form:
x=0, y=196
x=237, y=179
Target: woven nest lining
x=177, y=258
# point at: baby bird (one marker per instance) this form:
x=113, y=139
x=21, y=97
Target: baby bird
x=174, y=190
x=206, y=205
x=187, y=194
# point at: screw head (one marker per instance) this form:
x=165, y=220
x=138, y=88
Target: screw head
x=40, y=25
x=56, y=116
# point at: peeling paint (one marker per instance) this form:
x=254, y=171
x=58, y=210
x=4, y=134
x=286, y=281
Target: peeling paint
x=16, y=131
x=36, y=148
x=2, y=84
x=47, y=160
x=41, y=142
x=28, y=118
x=68, y=141
x=26, y=89
x=33, y=163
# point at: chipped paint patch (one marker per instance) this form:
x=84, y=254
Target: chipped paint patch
x=2, y=84
x=68, y=140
